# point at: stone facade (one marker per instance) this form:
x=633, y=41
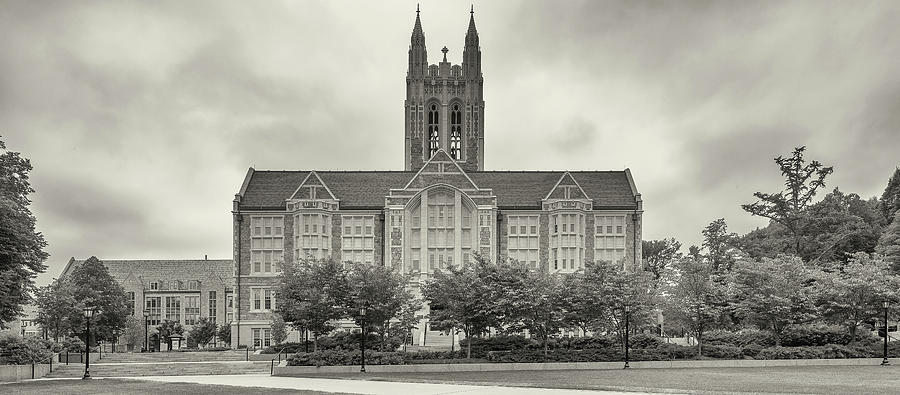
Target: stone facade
x=444, y=207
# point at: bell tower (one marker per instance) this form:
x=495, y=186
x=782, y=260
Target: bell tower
x=444, y=107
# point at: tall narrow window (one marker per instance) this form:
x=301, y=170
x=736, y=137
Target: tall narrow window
x=434, y=136
x=212, y=306
x=455, y=132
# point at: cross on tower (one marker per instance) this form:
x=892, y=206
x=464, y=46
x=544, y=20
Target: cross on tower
x=445, y=53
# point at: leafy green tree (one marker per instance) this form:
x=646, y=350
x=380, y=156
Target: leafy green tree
x=658, y=254
x=889, y=244
x=312, y=294
x=696, y=298
x=802, y=181
x=773, y=292
x=169, y=328
x=279, y=329
x=204, y=331
x=839, y=226
x=95, y=287
x=22, y=253
x=853, y=293
x=719, y=245
x=457, y=299
x=55, y=305
x=382, y=290
x=134, y=332
x=890, y=199
x=224, y=333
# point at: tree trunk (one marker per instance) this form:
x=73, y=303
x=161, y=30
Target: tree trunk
x=852, y=333
x=468, y=342
x=777, y=334
x=315, y=342
x=545, y=346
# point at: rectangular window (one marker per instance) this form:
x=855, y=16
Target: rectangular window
x=262, y=298
x=358, y=239
x=154, y=285
x=212, y=306
x=173, y=308
x=609, y=238
x=522, y=239
x=131, y=303
x=567, y=241
x=229, y=308
x=262, y=337
x=191, y=310
x=266, y=246
x=312, y=235
x=194, y=285
x=153, y=308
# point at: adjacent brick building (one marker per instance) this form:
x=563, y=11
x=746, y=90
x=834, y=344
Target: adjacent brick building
x=441, y=210
x=182, y=290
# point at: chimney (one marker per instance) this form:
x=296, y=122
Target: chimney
x=205, y=257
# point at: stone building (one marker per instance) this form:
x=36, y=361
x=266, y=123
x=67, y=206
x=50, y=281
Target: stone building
x=439, y=211
x=182, y=290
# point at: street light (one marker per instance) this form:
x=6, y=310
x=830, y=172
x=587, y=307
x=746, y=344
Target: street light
x=24, y=324
x=146, y=331
x=885, y=361
x=362, y=314
x=88, y=313
x=627, y=318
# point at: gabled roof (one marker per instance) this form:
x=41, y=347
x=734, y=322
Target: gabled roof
x=367, y=189
x=146, y=270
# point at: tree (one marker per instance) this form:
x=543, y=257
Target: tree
x=773, y=292
x=22, y=253
x=381, y=290
x=890, y=199
x=55, y=305
x=134, y=331
x=224, y=334
x=839, y=226
x=696, y=297
x=204, y=331
x=802, y=180
x=279, y=329
x=95, y=287
x=854, y=292
x=719, y=245
x=312, y=294
x=457, y=299
x=889, y=244
x=660, y=253
x=169, y=328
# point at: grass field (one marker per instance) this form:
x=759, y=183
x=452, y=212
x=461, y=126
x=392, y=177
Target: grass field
x=121, y=386
x=806, y=379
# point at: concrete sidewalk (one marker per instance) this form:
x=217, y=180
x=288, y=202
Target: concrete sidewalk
x=365, y=386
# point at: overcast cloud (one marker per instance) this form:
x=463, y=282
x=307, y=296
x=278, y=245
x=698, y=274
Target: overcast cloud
x=141, y=118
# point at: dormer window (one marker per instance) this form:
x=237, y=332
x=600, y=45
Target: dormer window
x=154, y=285
x=194, y=285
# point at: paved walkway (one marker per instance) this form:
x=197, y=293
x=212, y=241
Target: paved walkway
x=366, y=386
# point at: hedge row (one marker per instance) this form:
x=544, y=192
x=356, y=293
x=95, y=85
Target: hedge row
x=345, y=341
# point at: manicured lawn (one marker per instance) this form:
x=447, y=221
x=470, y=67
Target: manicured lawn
x=119, y=386
x=806, y=379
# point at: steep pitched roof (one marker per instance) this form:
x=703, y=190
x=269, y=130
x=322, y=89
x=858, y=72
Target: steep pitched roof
x=367, y=189
x=159, y=269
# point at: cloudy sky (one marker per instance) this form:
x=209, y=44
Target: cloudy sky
x=141, y=118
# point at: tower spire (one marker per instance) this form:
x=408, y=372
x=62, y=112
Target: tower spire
x=472, y=33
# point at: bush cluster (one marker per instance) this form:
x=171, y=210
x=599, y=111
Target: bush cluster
x=814, y=335
x=740, y=338
x=343, y=357
x=15, y=350
x=338, y=341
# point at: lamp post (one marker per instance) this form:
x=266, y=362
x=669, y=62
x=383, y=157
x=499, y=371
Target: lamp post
x=146, y=331
x=362, y=314
x=627, y=318
x=88, y=313
x=24, y=324
x=885, y=362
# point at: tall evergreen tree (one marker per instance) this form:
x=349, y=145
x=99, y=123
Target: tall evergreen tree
x=802, y=180
x=889, y=244
x=22, y=253
x=890, y=199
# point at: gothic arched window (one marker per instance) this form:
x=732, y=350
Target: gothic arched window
x=440, y=220
x=434, y=136
x=455, y=132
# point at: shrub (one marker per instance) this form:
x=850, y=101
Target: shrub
x=582, y=343
x=814, y=335
x=676, y=351
x=643, y=340
x=723, y=351
x=791, y=353
x=482, y=345
x=348, y=341
x=739, y=338
x=289, y=347
x=751, y=350
x=15, y=350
